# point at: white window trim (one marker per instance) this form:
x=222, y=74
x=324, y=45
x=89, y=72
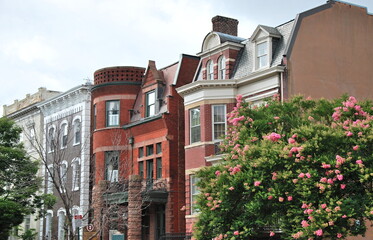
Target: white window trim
x=75, y=185
x=63, y=177
x=108, y=115
x=147, y=114
x=269, y=53
x=80, y=121
x=222, y=66
x=193, y=195
x=190, y=125
x=59, y=224
x=63, y=133
x=48, y=143
x=50, y=185
x=209, y=65
x=48, y=225
x=213, y=122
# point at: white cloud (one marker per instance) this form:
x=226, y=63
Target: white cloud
x=31, y=50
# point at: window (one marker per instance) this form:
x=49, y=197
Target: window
x=77, y=131
x=51, y=135
x=48, y=225
x=32, y=136
x=112, y=113
x=63, y=134
x=141, y=152
x=262, y=54
x=50, y=179
x=141, y=169
x=27, y=221
x=194, y=191
x=158, y=148
x=94, y=116
x=63, y=175
x=149, y=150
x=195, y=126
x=218, y=120
x=61, y=225
x=150, y=103
x=221, y=66
x=210, y=70
x=159, y=168
x=76, y=174
x=111, y=159
x=149, y=169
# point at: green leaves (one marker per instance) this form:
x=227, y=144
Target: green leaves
x=306, y=162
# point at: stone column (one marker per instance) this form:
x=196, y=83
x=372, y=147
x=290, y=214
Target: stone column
x=134, y=208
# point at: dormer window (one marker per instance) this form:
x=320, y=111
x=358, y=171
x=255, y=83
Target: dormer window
x=262, y=54
x=150, y=104
x=210, y=70
x=221, y=67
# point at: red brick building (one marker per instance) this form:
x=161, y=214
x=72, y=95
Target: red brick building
x=138, y=147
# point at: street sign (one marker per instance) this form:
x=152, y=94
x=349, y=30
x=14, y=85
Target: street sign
x=78, y=221
x=78, y=217
x=89, y=227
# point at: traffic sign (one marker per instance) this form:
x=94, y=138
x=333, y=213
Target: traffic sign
x=90, y=227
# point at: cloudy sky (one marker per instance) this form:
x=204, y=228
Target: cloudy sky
x=58, y=43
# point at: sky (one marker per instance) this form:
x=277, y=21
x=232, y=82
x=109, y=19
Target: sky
x=58, y=44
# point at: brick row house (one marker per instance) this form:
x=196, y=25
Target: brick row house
x=323, y=52
x=138, y=149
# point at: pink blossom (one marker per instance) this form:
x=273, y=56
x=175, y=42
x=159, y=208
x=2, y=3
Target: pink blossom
x=239, y=98
x=297, y=235
x=236, y=233
x=271, y=234
x=301, y=175
x=343, y=186
x=209, y=198
x=295, y=181
x=310, y=118
x=337, y=171
x=290, y=198
x=291, y=140
x=280, y=199
x=276, y=118
x=337, y=208
x=308, y=175
x=231, y=188
x=325, y=166
x=330, y=181
x=274, y=137
x=340, y=177
x=323, y=180
x=257, y=183
x=270, y=197
x=217, y=173
x=304, y=205
x=344, y=216
x=349, y=134
x=310, y=218
x=323, y=206
x=339, y=235
x=309, y=211
x=359, y=162
x=331, y=223
x=305, y=224
x=355, y=148
x=318, y=232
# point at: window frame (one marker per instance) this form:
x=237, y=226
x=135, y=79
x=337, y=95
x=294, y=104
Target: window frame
x=141, y=169
x=77, y=129
x=158, y=168
x=149, y=150
x=150, y=169
x=109, y=156
x=61, y=229
x=48, y=224
x=192, y=127
x=222, y=67
x=210, y=70
x=51, y=142
x=50, y=184
x=259, y=56
x=63, y=175
x=194, y=191
x=150, y=107
x=75, y=163
x=216, y=138
x=109, y=114
x=64, y=134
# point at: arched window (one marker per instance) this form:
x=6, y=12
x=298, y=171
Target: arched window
x=51, y=140
x=221, y=66
x=75, y=211
x=76, y=173
x=77, y=131
x=63, y=175
x=63, y=134
x=210, y=70
x=61, y=224
x=48, y=224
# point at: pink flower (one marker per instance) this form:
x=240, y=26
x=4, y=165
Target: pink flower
x=295, y=181
x=325, y=165
x=339, y=235
x=343, y=186
x=309, y=211
x=301, y=175
x=290, y=198
x=318, y=232
x=280, y=199
x=359, y=162
x=355, y=148
x=331, y=223
x=344, y=216
x=257, y=183
x=310, y=118
x=340, y=177
x=236, y=233
x=337, y=208
x=323, y=180
x=231, y=188
x=323, y=206
x=217, y=173
x=305, y=224
x=270, y=197
x=304, y=205
x=271, y=234
x=276, y=118
x=330, y=181
x=274, y=137
x=291, y=140
x=349, y=134
x=308, y=175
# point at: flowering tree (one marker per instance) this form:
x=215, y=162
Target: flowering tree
x=301, y=169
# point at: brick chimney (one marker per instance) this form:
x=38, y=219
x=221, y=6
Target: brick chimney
x=224, y=25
